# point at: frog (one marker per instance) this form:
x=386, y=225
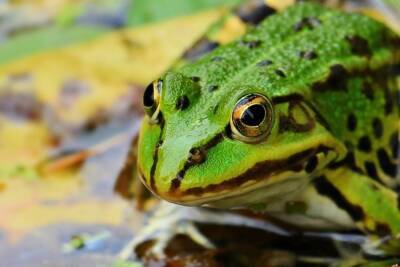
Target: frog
x=297, y=119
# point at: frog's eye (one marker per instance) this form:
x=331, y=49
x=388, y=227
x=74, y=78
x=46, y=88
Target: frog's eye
x=252, y=118
x=151, y=99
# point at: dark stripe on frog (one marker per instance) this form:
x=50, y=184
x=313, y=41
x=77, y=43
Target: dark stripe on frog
x=394, y=144
x=286, y=98
x=312, y=164
x=155, y=155
x=261, y=170
x=349, y=161
x=356, y=212
x=384, y=161
x=325, y=188
x=307, y=22
x=371, y=170
x=377, y=127
x=289, y=123
x=297, y=97
x=201, y=47
x=337, y=80
x=398, y=199
x=351, y=122
x=389, y=103
x=176, y=182
x=368, y=91
x=338, y=76
x=254, y=12
x=359, y=45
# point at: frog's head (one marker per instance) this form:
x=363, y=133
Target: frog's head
x=228, y=147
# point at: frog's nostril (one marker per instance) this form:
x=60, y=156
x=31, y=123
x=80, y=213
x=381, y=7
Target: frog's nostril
x=159, y=144
x=197, y=156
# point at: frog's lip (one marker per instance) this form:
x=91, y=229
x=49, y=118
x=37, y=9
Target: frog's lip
x=258, y=176
x=221, y=199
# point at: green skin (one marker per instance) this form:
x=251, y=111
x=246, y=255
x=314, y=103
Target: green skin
x=328, y=161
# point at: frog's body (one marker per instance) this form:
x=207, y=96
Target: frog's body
x=327, y=154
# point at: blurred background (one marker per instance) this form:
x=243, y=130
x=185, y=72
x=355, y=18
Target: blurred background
x=72, y=74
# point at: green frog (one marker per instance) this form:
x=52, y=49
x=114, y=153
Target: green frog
x=297, y=119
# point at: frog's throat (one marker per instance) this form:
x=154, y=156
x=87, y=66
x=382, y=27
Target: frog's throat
x=262, y=174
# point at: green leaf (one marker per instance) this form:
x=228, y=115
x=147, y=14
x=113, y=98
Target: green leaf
x=68, y=14
x=144, y=11
x=44, y=39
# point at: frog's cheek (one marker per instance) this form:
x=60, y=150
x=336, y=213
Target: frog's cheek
x=237, y=174
x=149, y=138
x=270, y=181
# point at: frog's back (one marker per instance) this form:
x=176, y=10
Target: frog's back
x=342, y=64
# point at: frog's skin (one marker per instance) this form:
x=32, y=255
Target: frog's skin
x=326, y=152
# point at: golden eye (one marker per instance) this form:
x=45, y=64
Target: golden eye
x=151, y=99
x=252, y=118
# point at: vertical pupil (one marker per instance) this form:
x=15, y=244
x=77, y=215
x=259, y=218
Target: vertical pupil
x=253, y=115
x=148, y=97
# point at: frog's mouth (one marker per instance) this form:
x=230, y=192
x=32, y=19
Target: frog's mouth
x=283, y=176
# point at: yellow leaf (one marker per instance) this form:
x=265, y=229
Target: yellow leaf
x=110, y=63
